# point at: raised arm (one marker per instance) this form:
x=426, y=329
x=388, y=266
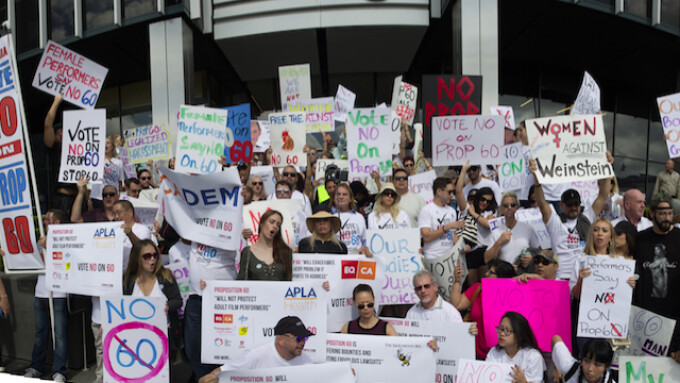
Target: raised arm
x=460, y=196
x=543, y=205
x=77, y=208
x=48, y=133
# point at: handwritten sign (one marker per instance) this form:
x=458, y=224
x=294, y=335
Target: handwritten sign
x=569, y=148
x=238, y=126
x=83, y=143
x=322, y=164
x=253, y=212
x=319, y=111
x=395, y=124
x=288, y=138
x=259, y=133
x=180, y=270
x=443, y=268
x=400, y=248
x=445, y=95
x=404, y=100
x=135, y=339
x=147, y=143
x=588, y=98
x=201, y=137
x=649, y=333
x=669, y=111
x=511, y=173
x=532, y=217
x=458, y=139
x=63, y=71
x=421, y=184
x=588, y=190
x=544, y=303
x=130, y=171
x=308, y=373
x=604, y=310
x=471, y=370
x=294, y=83
x=637, y=369
x=369, y=142
x=507, y=114
x=343, y=103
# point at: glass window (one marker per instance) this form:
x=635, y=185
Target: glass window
x=61, y=19
x=97, y=13
x=658, y=151
x=135, y=120
x=521, y=112
x=670, y=13
x=113, y=126
x=629, y=132
x=608, y=121
x=637, y=7
x=550, y=108
x=27, y=25
x=630, y=174
x=653, y=169
x=134, y=8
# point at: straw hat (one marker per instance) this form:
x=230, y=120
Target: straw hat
x=390, y=186
x=323, y=214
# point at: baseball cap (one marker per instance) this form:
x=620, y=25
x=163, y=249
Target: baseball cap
x=571, y=196
x=549, y=255
x=291, y=325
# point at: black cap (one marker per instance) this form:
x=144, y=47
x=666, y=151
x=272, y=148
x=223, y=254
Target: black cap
x=291, y=325
x=570, y=196
x=625, y=227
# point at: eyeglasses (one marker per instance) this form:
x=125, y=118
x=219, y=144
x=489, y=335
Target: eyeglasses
x=105, y=195
x=289, y=174
x=390, y=194
x=282, y=191
x=256, y=183
x=541, y=261
x=503, y=331
x=507, y=205
x=144, y=178
x=147, y=256
x=426, y=287
x=298, y=338
x=361, y=306
x=487, y=200
x=401, y=178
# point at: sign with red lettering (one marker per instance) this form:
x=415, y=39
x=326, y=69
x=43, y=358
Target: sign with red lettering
x=459, y=139
x=404, y=100
x=82, y=155
x=63, y=71
x=295, y=83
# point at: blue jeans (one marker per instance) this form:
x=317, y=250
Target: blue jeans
x=41, y=312
x=192, y=337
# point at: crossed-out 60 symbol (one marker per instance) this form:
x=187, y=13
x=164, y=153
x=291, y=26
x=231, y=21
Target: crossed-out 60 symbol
x=124, y=359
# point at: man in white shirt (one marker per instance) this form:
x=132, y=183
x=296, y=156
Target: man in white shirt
x=438, y=221
x=478, y=182
x=409, y=202
x=634, y=210
x=431, y=305
x=290, y=175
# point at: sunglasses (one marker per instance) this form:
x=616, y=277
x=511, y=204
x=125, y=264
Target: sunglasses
x=288, y=174
x=507, y=205
x=426, y=287
x=298, y=338
x=361, y=306
x=487, y=200
x=257, y=183
x=282, y=191
x=145, y=178
x=408, y=165
x=390, y=194
x=147, y=256
x=541, y=261
x=105, y=195
x=401, y=178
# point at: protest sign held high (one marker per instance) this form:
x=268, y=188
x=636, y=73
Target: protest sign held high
x=669, y=111
x=147, y=143
x=649, y=333
x=459, y=139
x=201, y=137
x=288, y=137
x=421, y=184
x=260, y=136
x=369, y=142
x=507, y=114
x=319, y=113
x=404, y=100
x=84, y=135
x=294, y=83
x=588, y=98
x=343, y=103
x=238, y=126
x=253, y=212
x=511, y=175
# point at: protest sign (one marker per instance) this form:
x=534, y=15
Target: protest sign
x=319, y=113
x=130, y=171
x=669, y=111
x=63, y=71
x=240, y=149
x=511, y=174
x=639, y=369
x=470, y=370
x=369, y=142
x=400, y=250
x=180, y=270
x=238, y=315
x=294, y=84
x=604, y=311
x=404, y=100
x=649, y=333
x=253, y=212
x=308, y=373
x=85, y=258
x=343, y=273
x=267, y=175
x=135, y=339
x=323, y=163
x=459, y=139
x=418, y=147
x=453, y=339
x=588, y=190
x=507, y=114
x=421, y=184
x=588, y=98
x=383, y=358
x=201, y=137
x=288, y=138
x=204, y=208
x=569, y=148
x=83, y=142
x=260, y=136
x=545, y=304
x=16, y=212
x=531, y=216
x=443, y=268
x=147, y=143
x=395, y=125
x=343, y=103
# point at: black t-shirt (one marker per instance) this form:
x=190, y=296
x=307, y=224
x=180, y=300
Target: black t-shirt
x=328, y=247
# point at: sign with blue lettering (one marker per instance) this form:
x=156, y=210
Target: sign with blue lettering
x=400, y=249
x=82, y=154
x=201, y=137
x=238, y=121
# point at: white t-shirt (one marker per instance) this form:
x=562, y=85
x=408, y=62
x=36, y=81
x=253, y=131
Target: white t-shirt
x=563, y=361
x=565, y=243
x=435, y=217
x=484, y=183
x=644, y=224
x=411, y=203
x=299, y=221
x=210, y=263
x=352, y=230
x=523, y=236
x=156, y=291
x=306, y=205
x=113, y=172
x=385, y=221
x=179, y=252
x=264, y=356
x=528, y=359
x=442, y=311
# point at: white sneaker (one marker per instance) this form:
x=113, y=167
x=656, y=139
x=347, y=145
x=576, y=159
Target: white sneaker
x=32, y=373
x=57, y=377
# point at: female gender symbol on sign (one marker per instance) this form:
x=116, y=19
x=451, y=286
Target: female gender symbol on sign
x=113, y=334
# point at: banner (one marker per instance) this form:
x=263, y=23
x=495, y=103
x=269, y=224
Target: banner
x=647, y=369
x=343, y=103
x=201, y=138
x=309, y=373
x=135, y=339
x=204, y=208
x=240, y=149
x=545, y=304
x=180, y=270
x=404, y=100
x=63, y=71
x=400, y=250
x=588, y=98
x=287, y=207
x=147, y=143
x=322, y=164
x=369, y=142
x=459, y=139
x=85, y=258
x=260, y=135
x=531, y=216
x=319, y=113
x=16, y=213
x=669, y=111
x=511, y=173
x=294, y=84
x=383, y=358
x=604, y=311
x=443, y=268
x=343, y=273
x=569, y=148
x=421, y=184
x=238, y=315
x=649, y=333
x=288, y=138
x=470, y=370
x=83, y=145
x=507, y=114
x=453, y=339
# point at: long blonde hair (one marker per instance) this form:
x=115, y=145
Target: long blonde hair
x=380, y=209
x=590, y=242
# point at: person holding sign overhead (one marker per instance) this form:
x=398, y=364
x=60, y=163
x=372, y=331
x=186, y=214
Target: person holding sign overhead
x=386, y=214
x=269, y=259
x=517, y=346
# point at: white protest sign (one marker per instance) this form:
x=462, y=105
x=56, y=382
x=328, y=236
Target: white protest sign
x=421, y=184
x=453, y=339
x=130, y=171
x=308, y=373
x=588, y=98
x=322, y=164
x=404, y=100
x=180, y=270
x=400, y=250
x=638, y=369
x=369, y=142
x=260, y=136
x=343, y=103
x=588, y=190
x=418, y=148
x=288, y=138
x=63, y=71
x=83, y=144
x=238, y=315
x=201, y=134
x=383, y=358
x=267, y=175
x=147, y=143
x=670, y=120
x=507, y=114
x=294, y=83
x=395, y=125
x=319, y=112
x=85, y=258
x=204, y=208
x=530, y=216
x=511, y=173
x=443, y=268
x=569, y=148
x=649, y=333
x=604, y=311
x=459, y=139
x=253, y=212
x=135, y=339
x=470, y=370
x=344, y=273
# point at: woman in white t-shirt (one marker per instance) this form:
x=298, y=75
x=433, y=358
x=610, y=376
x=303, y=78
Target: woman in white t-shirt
x=352, y=224
x=386, y=214
x=513, y=237
x=596, y=357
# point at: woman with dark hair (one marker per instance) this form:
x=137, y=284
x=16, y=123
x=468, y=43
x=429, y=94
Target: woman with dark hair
x=517, y=346
x=269, y=259
x=368, y=322
x=364, y=199
x=596, y=358
x=625, y=238
x=145, y=179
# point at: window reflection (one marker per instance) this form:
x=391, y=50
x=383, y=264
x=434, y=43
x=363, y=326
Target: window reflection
x=61, y=19
x=658, y=150
x=97, y=13
x=670, y=13
x=27, y=25
x=637, y=7
x=134, y=8
x=628, y=134
x=608, y=121
x=130, y=121
x=550, y=108
x=521, y=112
x=653, y=170
x=630, y=174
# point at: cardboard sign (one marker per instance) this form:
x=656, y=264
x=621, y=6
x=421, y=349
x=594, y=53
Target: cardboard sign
x=400, y=249
x=421, y=184
x=205, y=208
x=85, y=258
x=404, y=100
x=459, y=139
x=240, y=149
x=319, y=112
x=470, y=370
x=669, y=111
x=637, y=369
x=511, y=174
x=147, y=143
x=443, y=268
x=343, y=103
x=294, y=83
x=395, y=125
x=322, y=164
x=201, y=137
x=604, y=310
x=130, y=171
x=16, y=211
x=507, y=114
x=135, y=339
x=569, y=148
x=649, y=333
x=532, y=217
x=63, y=71
x=545, y=304
x=180, y=270
x=369, y=142
x=238, y=315
x=309, y=373
x=588, y=98
x=83, y=146
x=253, y=212
x=260, y=136
x=288, y=138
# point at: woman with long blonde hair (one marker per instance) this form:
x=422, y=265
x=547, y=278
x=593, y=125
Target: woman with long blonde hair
x=386, y=214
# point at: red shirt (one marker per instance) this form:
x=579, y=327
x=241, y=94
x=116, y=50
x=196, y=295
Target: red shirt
x=476, y=315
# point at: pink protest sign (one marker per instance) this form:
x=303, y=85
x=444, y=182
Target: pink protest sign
x=544, y=303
